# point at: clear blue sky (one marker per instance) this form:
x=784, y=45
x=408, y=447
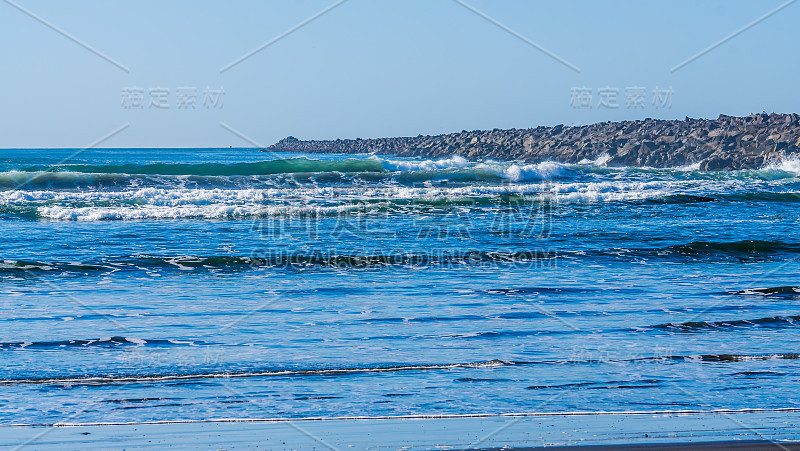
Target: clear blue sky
x=371, y=68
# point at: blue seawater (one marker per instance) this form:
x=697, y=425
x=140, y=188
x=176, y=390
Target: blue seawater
x=179, y=284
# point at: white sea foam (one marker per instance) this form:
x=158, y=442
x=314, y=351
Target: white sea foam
x=515, y=172
x=152, y=203
x=538, y=171
x=613, y=191
x=689, y=167
x=454, y=162
x=791, y=165
x=214, y=211
x=153, y=196
x=545, y=180
x=256, y=198
x=600, y=161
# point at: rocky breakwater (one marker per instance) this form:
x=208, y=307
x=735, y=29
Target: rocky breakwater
x=725, y=143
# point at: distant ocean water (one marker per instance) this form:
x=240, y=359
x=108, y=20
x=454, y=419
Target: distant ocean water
x=143, y=284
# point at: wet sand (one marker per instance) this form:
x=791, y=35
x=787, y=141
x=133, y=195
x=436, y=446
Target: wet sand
x=750, y=445
x=713, y=430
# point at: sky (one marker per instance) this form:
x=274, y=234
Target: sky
x=149, y=73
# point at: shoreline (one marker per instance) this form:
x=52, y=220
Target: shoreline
x=711, y=430
x=725, y=143
x=512, y=415
x=749, y=445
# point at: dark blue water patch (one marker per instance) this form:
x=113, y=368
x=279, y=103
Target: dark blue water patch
x=775, y=322
x=746, y=250
x=36, y=267
x=727, y=358
x=762, y=196
x=276, y=258
x=605, y=385
x=499, y=335
x=286, y=166
x=783, y=292
x=678, y=199
x=740, y=197
x=209, y=377
x=108, y=182
x=136, y=400
x=743, y=248
x=523, y=291
x=110, y=342
x=760, y=374
x=314, y=397
x=172, y=404
x=481, y=379
x=732, y=388
x=394, y=320
x=503, y=334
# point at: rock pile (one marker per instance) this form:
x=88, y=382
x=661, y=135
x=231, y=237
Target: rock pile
x=725, y=143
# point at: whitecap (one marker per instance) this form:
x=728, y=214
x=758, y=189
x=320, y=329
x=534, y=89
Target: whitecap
x=454, y=162
x=791, y=165
x=600, y=161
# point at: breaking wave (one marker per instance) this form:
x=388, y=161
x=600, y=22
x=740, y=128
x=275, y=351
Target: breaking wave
x=302, y=186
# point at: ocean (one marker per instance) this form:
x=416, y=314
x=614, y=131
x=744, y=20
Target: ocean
x=188, y=284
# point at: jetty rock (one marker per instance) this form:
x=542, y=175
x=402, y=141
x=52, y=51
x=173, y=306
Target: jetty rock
x=725, y=143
